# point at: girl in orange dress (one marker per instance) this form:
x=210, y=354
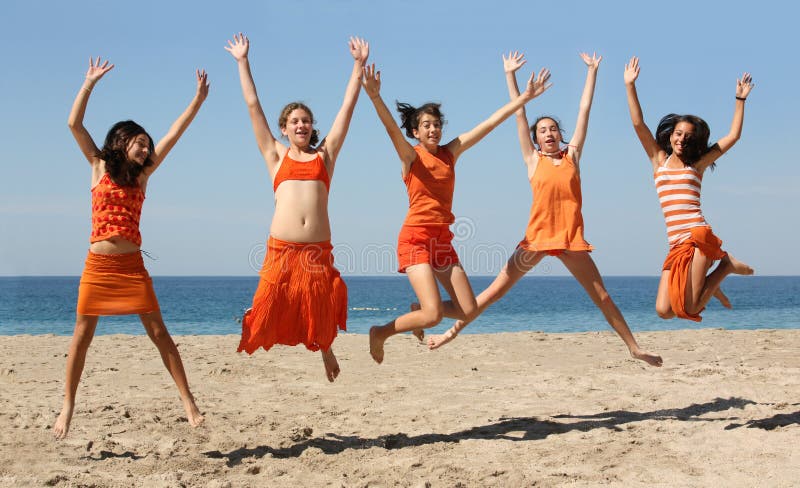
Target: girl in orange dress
x=114, y=280
x=425, y=251
x=680, y=154
x=301, y=299
x=555, y=227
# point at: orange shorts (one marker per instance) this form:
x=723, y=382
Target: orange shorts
x=115, y=284
x=431, y=244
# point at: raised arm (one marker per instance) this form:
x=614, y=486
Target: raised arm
x=75, y=122
x=743, y=87
x=536, y=86
x=332, y=143
x=654, y=153
x=579, y=135
x=511, y=64
x=180, y=125
x=372, y=86
x=267, y=144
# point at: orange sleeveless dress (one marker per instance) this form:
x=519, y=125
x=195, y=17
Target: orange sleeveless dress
x=116, y=284
x=425, y=236
x=301, y=297
x=556, y=222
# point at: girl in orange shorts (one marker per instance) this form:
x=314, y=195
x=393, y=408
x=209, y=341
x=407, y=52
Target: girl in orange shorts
x=425, y=252
x=301, y=299
x=680, y=154
x=555, y=227
x=114, y=280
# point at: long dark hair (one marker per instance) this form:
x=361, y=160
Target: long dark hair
x=122, y=171
x=696, y=146
x=409, y=115
x=284, y=117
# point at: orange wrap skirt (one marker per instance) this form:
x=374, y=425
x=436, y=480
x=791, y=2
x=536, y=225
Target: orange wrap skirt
x=115, y=284
x=301, y=298
x=679, y=262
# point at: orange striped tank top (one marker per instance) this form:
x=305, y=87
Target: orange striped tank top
x=679, y=194
x=116, y=211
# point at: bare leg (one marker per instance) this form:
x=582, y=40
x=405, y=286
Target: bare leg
x=418, y=333
x=85, y=326
x=723, y=298
x=462, y=304
x=423, y=281
x=331, y=364
x=663, y=303
x=517, y=266
x=582, y=267
x=701, y=288
x=157, y=331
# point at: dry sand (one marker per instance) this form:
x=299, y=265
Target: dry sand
x=516, y=409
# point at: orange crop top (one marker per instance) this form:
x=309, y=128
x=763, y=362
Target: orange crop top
x=116, y=211
x=430, y=184
x=302, y=170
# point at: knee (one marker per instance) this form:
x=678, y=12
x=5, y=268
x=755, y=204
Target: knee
x=664, y=311
x=470, y=311
x=157, y=332
x=430, y=316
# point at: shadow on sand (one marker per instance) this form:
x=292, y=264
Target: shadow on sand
x=530, y=429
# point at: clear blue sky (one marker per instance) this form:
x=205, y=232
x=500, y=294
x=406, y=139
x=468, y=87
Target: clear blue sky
x=209, y=206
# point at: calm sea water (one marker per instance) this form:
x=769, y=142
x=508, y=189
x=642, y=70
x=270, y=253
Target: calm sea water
x=211, y=305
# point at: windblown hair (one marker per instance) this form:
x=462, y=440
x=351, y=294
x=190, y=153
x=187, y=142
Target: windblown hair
x=547, y=117
x=120, y=169
x=284, y=117
x=410, y=115
x=697, y=145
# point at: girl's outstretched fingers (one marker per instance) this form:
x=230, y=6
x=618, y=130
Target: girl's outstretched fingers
x=202, y=83
x=96, y=69
x=744, y=85
x=239, y=46
x=632, y=70
x=514, y=61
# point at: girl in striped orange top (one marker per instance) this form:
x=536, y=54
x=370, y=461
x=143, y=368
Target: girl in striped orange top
x=680, y=154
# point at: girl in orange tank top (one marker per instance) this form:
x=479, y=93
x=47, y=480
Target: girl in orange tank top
x=679, y=154
x=555, y=227
x=114, y=280
x=301, y=298
x=425, y=251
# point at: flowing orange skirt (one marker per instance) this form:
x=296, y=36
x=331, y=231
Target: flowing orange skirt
x=115, y=284
x=679, y=262
x=301, y=298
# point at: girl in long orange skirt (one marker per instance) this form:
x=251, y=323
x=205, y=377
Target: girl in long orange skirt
x=301, y=299
x=114, y=280
x=680, y=154
x=555, y=227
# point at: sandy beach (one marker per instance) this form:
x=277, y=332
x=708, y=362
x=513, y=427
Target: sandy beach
x=514, y=409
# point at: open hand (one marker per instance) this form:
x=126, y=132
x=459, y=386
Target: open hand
x=371, y=80
x=202, y=84
x=238, y=47
x=537, y=84
x=632, y=70
x=592, y=62
x=359, y=49
x=744, y=85
x=97, y=70
x=513, y=61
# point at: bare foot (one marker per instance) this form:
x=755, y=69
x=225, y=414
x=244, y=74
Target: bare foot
x=649, y=358
x=437, y=341
x=331, y=365
x=418, y=333
x=723, y=299
x=61, y=427
x=736, y=266
x=193, y=414
x=375, y=345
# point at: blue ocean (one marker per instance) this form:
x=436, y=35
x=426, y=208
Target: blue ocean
x=212, y=305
